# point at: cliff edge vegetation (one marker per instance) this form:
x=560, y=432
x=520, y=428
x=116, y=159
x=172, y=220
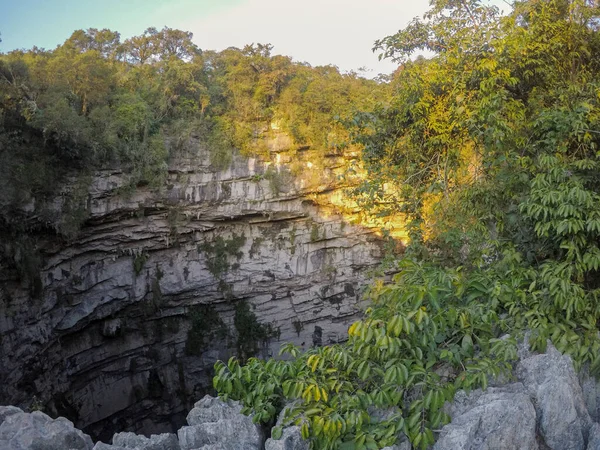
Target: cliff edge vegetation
x=97, y=102
x=492, y=144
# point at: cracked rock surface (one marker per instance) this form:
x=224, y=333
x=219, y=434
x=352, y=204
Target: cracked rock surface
x=104, y=340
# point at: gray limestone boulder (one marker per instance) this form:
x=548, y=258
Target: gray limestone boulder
x=218, y=425
x=103, y=446
x=211, y=409
x=165, y=441
x=219, y=446
x=291, y=439
x=498, y=418
x=590, y=388
x=37, y=431
x=6, y=411
x=551, y=381
x=594, y=437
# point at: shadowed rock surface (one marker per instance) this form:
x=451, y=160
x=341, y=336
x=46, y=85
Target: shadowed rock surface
x=551, y=382
x=133, y=312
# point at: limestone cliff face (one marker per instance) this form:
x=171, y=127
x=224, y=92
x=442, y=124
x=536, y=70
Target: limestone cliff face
x=134, y=311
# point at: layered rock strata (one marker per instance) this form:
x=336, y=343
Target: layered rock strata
x=120, y=328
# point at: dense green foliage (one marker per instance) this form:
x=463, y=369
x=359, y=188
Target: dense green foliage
x=95, y=101
x=490, y=148
x=422, y=339
x=498, y=151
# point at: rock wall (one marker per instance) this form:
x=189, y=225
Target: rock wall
x=130, y=315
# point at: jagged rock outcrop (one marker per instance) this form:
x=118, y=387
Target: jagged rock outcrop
x=37, y=431
x=128, y=317
x=165, y=441
x=291, y=439
x=545, y=409
x=591, y=393
x=499, y=418
x=552, y=383
x=594, y=437
x=214, y=424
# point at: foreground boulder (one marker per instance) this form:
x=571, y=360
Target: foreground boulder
x=290, y=439
x=594, y=437
x=547, y=409
x=552, y=383
x=591, y=393
x=165, y=441
x=37, y=431
x=499, y=418
x=103, y=446
x=218, y=425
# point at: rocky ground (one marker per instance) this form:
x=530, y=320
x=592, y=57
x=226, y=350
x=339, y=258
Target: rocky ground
x=547, y=407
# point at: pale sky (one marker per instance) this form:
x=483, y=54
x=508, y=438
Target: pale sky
x=320, y=32
x=338, y=32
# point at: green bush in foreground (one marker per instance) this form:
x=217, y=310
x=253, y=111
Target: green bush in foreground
x=407, y=357
x=431, y=332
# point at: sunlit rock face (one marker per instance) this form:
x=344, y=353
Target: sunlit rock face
x=132, y=313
